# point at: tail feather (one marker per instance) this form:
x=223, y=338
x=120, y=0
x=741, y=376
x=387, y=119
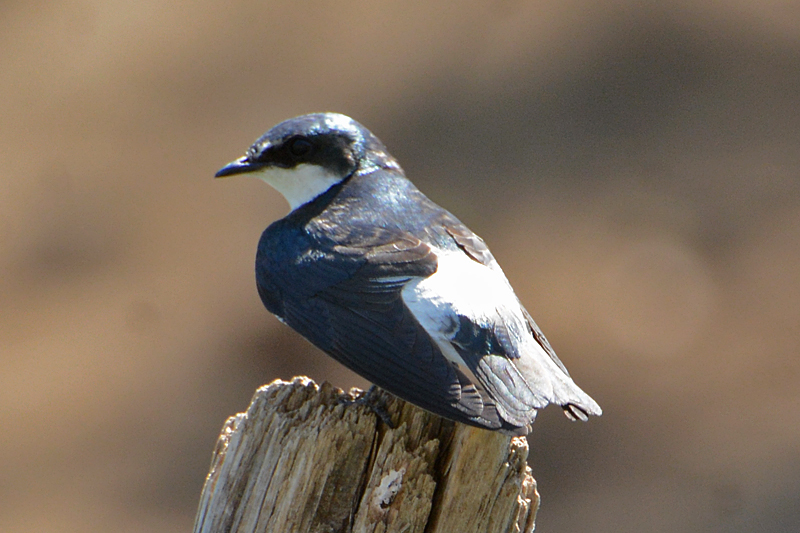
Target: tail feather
x=575, y=413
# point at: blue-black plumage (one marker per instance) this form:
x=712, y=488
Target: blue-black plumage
x=393, y=286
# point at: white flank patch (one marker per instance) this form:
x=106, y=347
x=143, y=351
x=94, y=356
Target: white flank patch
x=299, y=185
x=461, y=286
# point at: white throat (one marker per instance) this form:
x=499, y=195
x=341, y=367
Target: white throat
x=299, y=185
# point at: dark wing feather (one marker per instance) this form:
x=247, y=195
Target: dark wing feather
x=470, y=244
x=542, y=340
x=491, y=361
x=348, y=302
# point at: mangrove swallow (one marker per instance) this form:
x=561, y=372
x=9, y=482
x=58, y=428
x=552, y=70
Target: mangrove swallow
x=393, y=286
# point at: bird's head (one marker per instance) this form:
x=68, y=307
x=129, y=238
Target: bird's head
x=305, y=156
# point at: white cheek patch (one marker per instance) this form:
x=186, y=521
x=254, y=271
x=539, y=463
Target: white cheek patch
x=299, y=185
x=460, y=287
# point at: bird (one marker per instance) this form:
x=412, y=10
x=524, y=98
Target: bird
x=395, y=287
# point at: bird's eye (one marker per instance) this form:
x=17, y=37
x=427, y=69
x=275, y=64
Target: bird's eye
x=300, y=147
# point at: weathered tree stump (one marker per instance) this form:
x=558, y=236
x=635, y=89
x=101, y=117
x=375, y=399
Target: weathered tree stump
x=302, y=459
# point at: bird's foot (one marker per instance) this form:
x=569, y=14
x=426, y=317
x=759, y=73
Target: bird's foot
x=373, y=401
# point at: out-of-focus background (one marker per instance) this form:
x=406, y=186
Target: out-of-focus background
x=635, y=168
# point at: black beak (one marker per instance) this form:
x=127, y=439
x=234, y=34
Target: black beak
x=240, y=166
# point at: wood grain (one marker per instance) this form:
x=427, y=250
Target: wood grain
x=304, y=458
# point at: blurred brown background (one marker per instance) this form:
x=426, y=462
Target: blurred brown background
x=636, y=170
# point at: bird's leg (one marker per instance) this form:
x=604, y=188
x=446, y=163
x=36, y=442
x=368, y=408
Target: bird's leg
x=373, y=401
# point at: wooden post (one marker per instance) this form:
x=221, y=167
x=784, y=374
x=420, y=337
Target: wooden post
x=302, y=459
